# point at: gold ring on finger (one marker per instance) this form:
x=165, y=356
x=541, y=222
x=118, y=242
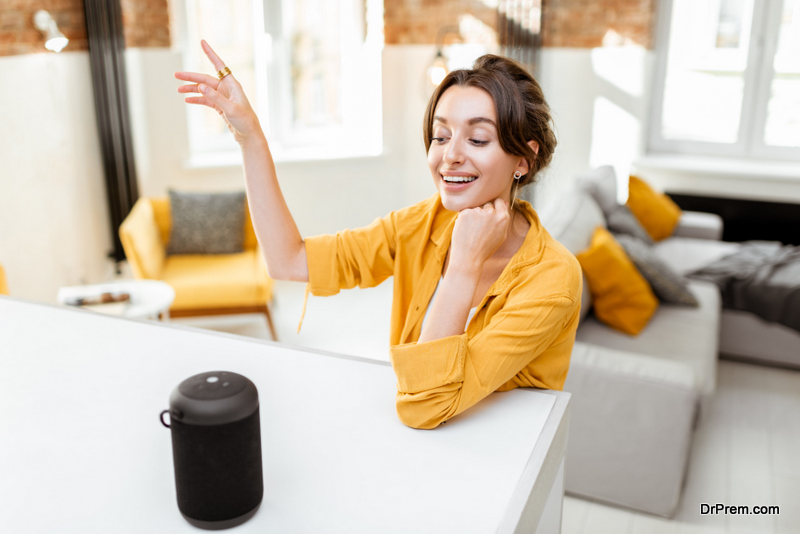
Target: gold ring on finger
x=224, y=72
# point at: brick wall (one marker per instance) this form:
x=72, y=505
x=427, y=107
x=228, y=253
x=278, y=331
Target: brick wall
x=590, y=23
x=145, y=24
x=419, y=21
x=566, y=23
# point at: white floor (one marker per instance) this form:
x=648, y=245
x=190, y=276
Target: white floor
x=746, y=450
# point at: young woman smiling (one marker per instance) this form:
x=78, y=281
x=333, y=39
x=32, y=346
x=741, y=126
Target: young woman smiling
x=484, y=298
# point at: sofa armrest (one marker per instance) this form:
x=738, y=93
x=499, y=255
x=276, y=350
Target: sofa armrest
x=141, y=240
x=631, y=428
x=699, y=225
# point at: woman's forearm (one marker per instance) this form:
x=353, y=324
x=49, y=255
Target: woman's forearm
x=277, y=233
x=449, y=312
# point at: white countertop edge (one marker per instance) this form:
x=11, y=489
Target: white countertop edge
x=201, y=331
x=533, y=489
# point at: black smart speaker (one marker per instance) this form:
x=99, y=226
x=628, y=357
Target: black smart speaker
x=216, y=448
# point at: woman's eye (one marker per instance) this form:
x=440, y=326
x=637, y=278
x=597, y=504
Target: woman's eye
x=437, y=140
x=479, y=142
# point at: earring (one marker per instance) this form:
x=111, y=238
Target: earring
x=517, y=175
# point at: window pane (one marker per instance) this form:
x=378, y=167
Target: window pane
x=228, y=28
x=316, y=61
x=707, y=57
x=783, y=110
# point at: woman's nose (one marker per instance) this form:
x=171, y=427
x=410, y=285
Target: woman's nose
x=453, y=152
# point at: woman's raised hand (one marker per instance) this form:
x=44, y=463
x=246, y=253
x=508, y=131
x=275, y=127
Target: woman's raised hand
x=478, y=233
x=225, y=96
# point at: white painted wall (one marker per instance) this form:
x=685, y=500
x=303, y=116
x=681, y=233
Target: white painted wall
x=53, y=215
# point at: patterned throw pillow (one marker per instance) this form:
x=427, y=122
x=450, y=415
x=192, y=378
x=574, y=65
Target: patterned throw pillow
x=622, y=221
x=668, y=285
x=206, y=223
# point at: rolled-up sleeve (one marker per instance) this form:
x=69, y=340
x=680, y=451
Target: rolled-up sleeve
x=362, y=257
x=439, y=379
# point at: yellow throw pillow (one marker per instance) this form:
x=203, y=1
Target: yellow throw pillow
x=657, y=213
x=621, y=297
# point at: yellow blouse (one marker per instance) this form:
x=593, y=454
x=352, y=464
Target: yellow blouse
x=521, y=336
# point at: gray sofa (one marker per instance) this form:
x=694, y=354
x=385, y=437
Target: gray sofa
x=743, y=335
x=635, y=400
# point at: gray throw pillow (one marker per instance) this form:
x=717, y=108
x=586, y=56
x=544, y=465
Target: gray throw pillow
x=206, y=223
x=623, y=221
x=601, y=184
x=668, y=285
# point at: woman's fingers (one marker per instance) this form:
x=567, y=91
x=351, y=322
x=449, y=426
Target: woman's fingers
x=200, y=100
x=188, y=89
x=219, y=100
x=197, y=77
x=215, y=60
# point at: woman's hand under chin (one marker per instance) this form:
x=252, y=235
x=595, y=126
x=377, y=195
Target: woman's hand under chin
x=224, y=96
x=478, y=233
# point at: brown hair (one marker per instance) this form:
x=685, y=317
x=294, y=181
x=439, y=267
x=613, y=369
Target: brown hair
x=522, y=113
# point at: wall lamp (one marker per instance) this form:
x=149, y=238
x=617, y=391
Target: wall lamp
x=438, y=67
x=54, y=39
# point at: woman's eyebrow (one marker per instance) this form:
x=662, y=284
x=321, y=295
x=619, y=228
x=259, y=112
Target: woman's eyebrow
x=472, y=121
x=477, y=120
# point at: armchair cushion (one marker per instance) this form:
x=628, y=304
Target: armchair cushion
x=142, y=241
x=206, y=223
x=217, y=281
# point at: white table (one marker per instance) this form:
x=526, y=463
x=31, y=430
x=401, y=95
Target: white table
x=82, y=449
x=150, y=299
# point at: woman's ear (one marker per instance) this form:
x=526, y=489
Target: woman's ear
x=523, y=166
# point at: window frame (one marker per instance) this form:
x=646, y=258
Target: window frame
x=360, y=134
x=757, y=76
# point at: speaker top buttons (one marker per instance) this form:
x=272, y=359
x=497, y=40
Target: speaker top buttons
x=214, y=398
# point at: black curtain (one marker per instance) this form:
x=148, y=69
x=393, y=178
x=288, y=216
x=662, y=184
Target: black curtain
x=107, y=56
x=519, y=31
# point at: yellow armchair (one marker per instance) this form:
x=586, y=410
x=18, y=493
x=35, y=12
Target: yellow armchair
x=3, y=284
x=204, y=284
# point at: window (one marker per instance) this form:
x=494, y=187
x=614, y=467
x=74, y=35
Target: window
x=310, y=68
x=728, y=79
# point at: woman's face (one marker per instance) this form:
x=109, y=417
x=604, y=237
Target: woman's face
x=467, y=163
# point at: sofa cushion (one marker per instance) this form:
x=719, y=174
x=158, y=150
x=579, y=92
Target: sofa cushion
x=678, y=333
x=206, y=223
x=668, y=285
x=571, y=219
x=601, y=185
x=622, y=299
x=656, y=211
x=622, y=221
x=685, y=254
x=217, y=281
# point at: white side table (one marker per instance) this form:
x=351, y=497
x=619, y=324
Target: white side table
x=149, y=299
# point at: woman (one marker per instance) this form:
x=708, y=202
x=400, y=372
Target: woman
x=484, y=298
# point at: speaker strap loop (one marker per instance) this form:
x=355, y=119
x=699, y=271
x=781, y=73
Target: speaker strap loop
x=162, y=418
